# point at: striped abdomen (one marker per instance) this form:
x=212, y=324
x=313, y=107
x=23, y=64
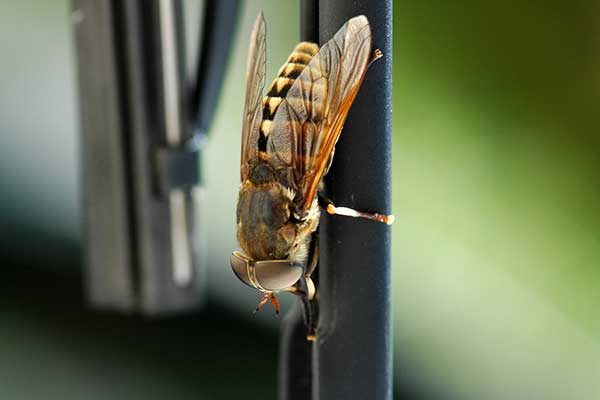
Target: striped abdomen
x=288, y=73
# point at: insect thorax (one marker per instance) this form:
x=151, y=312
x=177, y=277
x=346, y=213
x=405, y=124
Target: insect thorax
x=266, y=226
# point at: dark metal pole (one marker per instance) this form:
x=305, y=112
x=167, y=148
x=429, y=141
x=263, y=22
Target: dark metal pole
x=309, y=21
x=353, y=356
x=295, y=352
x=295, y=358
x=218, y=31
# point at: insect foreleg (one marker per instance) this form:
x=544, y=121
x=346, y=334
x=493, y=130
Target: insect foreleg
x=268, y=296
x=314, y=256
x=308, y=306
x=305, y=290
x=262, y=302
x=377, y=54
x=350, y=212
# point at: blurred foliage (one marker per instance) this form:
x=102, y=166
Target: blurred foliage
x=496, y=163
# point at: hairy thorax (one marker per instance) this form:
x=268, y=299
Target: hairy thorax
x=267, y=227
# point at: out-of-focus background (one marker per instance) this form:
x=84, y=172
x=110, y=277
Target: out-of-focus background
x=496, y=247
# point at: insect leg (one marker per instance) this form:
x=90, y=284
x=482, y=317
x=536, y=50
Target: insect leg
x=268, y=296
x=275, y=303
x=305, y=290
x=314, y=256
x=377, y=54
x=308, y=306
x=305, y=287
x=349, y=212
x=262, y=302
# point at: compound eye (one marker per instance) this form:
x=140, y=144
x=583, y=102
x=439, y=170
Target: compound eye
x=278, y=274
x=239, y=265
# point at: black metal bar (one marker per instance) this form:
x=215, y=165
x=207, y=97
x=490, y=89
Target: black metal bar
x=219, y=28
x=295, y=352
x=295, y=358
x=309, y=21
x=353, y=356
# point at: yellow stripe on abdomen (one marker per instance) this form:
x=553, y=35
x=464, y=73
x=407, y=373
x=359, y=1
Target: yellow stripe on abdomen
x=287, y=75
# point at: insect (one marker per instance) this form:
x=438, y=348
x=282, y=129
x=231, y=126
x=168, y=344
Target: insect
x=288, y=142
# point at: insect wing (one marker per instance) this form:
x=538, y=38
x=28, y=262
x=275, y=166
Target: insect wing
x=309, y=120
x=255, y=82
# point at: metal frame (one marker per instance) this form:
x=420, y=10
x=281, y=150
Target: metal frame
x=141, y=118
x=153, y=82
x=352, y=356
x=109, y=278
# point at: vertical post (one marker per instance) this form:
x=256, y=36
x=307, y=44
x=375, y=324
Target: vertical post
x=217, y=37
x=352, y=355
x=309, y=21
x=295, y=357
x=108, y=249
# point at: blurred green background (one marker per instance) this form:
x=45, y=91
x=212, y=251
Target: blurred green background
x=495, y=249
x=496, y=167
